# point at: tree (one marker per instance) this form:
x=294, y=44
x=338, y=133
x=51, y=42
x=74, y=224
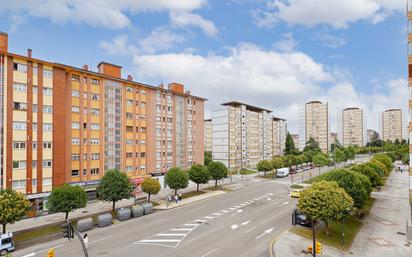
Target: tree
x=289, y=145
x=335, y=145
x=312, y=145
x=199, y=174
x=405, y=159
x=176, y=179
x=320, y=160
x=150, y=186
x=277, y=163
x=287, y=160
x=13, y=206
x=350, y=153
x=66, y=198
x=339, y=156
x=325, y=201
x=369, y=172
x=208, y=157
x=352, y=183
x=304, y=158
x=114, y=186
x=397, y=142
x=217, y=171
x=265, y=166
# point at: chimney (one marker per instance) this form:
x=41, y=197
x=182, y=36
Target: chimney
x=110, y=69
x=176, y=87
x=85, y=67
x=4, y=38
x=187, y=92
x=29, y=52
x=129, y=77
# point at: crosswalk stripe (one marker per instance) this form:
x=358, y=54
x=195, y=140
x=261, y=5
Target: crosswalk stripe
x=181, y=229
x=191, y=225
x=163, y=234
x=159, y=241
x=208, y=217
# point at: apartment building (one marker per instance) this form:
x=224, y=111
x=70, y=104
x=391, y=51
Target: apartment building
x=295, y=138
x=315, y=122
x=409, y=36
x=208, y=135
x=243, y=134
x=279, y=132
x=353, y=130
x=392, y=125
x=333, y=137
x=62, y=124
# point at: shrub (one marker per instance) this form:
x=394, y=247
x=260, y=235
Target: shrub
x=381, y=166
x=150, y=186
x=385, y=159
x=377, y=168
x=369, y=172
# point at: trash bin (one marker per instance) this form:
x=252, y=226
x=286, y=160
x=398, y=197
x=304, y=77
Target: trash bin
x=104, y=220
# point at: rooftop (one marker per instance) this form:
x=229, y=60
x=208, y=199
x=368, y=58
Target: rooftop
x=248, y=107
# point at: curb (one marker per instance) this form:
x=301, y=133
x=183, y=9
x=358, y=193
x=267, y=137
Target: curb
x=188, y=203
x=272, y=242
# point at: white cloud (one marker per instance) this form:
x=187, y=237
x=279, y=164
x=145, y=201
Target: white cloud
x=286, y=44
x=185, y=19
x=335, y=13
x=328, y=39
x=103, y=13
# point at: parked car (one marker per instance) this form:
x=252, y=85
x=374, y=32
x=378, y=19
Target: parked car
x=301, y=219
x=282, y=172
x=295, y=193
x=6, y=243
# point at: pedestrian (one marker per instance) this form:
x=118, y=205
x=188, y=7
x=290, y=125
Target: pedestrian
x=176, y=199
x=85, y=240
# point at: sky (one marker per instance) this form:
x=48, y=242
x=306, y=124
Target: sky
x=275, y=54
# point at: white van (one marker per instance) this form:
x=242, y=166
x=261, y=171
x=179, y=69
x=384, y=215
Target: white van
x=6, y=243
x=282, y=172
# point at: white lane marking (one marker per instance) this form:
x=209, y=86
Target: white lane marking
x=224, y=211
x=208, y=253
x=237, y=206
x=280, y=213
x=232, y=209
x=268, y=231
x=217, y=214
x=208, y=217
x=165, y=234
x=54, y=247
x=236, y=226
x=283, y=204
x=269, y=199
x=181, y=229
x=95, y=241
x=29, y=255
x=250, y=229
x=191, y=225
x=159, y=241
x=239, y=211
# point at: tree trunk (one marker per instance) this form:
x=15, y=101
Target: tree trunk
x=327, y=228
x=319, y=170
x=148, y=197
x=197, y=189
x=114, y=206
x=264, y=173
x=67, y=216
x=314, y=239
x=216, y=183
x=175, y=191
x=4, y=228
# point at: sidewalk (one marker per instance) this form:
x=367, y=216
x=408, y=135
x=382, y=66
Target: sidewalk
x=101, y=206
x=209, y=194
x=382, y=233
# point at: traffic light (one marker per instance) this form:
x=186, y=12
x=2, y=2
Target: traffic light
x=310, y=249
x=50, y=253
x=67, y=230
x=318, y=247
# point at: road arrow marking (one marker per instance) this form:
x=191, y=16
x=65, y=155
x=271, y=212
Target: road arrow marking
x=236, y=226
x=268, y=231
x=245, y=223
x=239, y=211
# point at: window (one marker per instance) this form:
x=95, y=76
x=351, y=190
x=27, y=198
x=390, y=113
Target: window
x=129, y=129
x=142, y=105
x=129, y=115
x=47, y=73
x=47, y=109
x=129, y=155
x=95, y=156
x=75, y=93
x=95, y=126
x=19, y=145
x=143, y=129
x=47, y=127
x=47, y=181
x=143, y=142
x=75, y=141
x=35, y=71
x=34, y=164
x=129, y=89
x=47, y=145
x=75, y=157
x=34, y=145
x=143, y=92
x=95, y=112
x=142, y=167
x=35, y=90
x=19, y=106
x=76, y=78
x=129, y=141
x=129, y=102
x=20, y=87
x=94, y=171
x=84, y=79
x=34, y=182
x=85, y=95
x=34, y=126
x=47, y=163
x=76, y=109
x=95, y=97
x=20, y=67
x=47, y=91
x=19, y=184
x=75, y=173
x=95, y=81
x=94, y=141
x=85, y=110
x=19, y=164
x=85, y=156
x=34, y=108
x=143, y=154
x=129, y=168
x=143, y=117
x=84, y=172
x=75, y=125
x=19, y=125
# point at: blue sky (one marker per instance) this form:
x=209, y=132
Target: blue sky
x=277, y=54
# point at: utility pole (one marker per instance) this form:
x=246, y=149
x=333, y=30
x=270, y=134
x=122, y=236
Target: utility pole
x=314, y=238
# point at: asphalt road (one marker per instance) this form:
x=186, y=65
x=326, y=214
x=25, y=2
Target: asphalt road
x=239, y=223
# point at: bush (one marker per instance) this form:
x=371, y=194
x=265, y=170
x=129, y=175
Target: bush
x=385, y=159
x=391, y=156
x=370, y=173
x=150, y=186
x=377, y=168
x=381, y=166
x=352, y=183
x=405, y=159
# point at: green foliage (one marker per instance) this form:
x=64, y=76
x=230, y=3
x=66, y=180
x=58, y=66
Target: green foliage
x=289, y=145
x=405, y=159
x=325, y=201
x=339, y=155
x=369, y=172
x=320, y=160
x=350, y=153
x=352, y=183
x=208, y=157
x=176, y=179
x=377, y=168
x=312, y=145
x=66, y=198
x=304, y=158
x=392, y=156
x=199, y=174
x=13, y=206
x=296, y=160
x=287, y=160
x=150, y=186
x=114, y=186
x=217, y=171
x=385, y=159
x=381, y=166
x=265, y=166
x=277, y=162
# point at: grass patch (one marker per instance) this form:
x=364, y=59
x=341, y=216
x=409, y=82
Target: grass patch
x=191, y=194
x=295, y=186
x=242, y=172
x=36, y=233
x=352, y=226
